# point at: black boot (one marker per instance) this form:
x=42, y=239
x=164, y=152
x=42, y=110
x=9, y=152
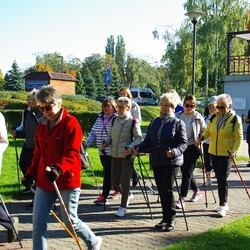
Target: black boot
x=170, y=226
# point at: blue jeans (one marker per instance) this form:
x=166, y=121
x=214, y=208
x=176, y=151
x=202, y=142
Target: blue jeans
x=43, y=203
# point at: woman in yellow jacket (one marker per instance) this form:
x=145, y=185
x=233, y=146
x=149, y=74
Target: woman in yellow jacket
x=225, y=132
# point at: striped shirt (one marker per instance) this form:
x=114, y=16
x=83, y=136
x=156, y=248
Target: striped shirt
x=99, y=132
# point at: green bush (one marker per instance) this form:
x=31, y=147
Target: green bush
x=86, y=119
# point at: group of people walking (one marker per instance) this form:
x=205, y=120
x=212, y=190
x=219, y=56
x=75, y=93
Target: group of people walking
x=174, y=141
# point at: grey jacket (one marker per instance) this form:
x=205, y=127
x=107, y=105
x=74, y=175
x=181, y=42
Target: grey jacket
x=122, y=135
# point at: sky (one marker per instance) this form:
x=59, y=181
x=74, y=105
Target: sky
x=79, y=28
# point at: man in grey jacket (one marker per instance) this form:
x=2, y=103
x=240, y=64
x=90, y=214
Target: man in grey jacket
x=122, y=138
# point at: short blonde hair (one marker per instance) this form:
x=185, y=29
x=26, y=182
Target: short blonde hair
x=126, y=100
x=169, y=97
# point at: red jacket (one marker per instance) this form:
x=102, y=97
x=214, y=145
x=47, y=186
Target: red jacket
x=60, y=146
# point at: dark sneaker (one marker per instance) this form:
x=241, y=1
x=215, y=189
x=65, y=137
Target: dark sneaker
x=26, y=191
x=160, y=225
x=170, y=226
x=11, y=235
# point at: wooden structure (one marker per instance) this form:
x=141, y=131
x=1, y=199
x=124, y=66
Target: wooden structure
x=238, y=64
x=64, y=83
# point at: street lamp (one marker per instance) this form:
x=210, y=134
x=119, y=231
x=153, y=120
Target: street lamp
x=194, y=17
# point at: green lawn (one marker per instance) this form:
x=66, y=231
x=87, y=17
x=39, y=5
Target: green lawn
x=232, y=236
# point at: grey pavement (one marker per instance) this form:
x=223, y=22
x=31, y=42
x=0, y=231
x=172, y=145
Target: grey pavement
x=136, y=230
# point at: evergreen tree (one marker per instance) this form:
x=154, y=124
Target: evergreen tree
x=80, y=86
x=120, y=56
x=14, y=80
x=110, y=47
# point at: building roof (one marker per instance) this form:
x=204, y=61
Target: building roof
x=50, y=75
x=240, y=34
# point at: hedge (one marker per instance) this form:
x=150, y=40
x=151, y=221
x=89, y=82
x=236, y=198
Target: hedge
x=86, y=119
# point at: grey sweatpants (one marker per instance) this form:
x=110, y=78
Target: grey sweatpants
x=121, y=172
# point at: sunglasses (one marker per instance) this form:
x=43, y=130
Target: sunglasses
x=46, y=108
x=220, y=107
x=189, y=105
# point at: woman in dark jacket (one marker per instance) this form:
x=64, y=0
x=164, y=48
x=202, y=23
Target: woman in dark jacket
x=166, y=140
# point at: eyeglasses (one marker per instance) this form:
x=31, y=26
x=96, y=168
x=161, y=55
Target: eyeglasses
x=220, y=107
x=47, y=108
x=167, y=106
x=121, y=107
x=189, y=105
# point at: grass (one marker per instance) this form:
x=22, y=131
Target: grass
x=232, y=236
x=9, y=187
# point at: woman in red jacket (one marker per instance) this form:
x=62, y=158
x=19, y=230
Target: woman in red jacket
x=57, y=145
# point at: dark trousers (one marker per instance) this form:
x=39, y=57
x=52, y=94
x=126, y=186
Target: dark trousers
x=222, y=166
x=164, y=178
x=207, y=158
x=191, y=155
x=106, y=163
x=25, y=158
x=4, y=219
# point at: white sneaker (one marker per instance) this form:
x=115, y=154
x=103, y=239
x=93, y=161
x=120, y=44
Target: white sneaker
x=130, y=197
x=121, y=212
x=196, y=196
x=222, y=210
x=97, y=246
x=178, y=203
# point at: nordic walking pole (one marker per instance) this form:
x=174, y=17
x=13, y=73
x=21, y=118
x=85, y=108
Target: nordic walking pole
x=48, y=169
x=57, y=218
x=203, y=174
x=18, y=170
x=8, y=214
x=144, y=192
x=96, y=183
x=204, y=171
x=179, y=194
x=235, y=166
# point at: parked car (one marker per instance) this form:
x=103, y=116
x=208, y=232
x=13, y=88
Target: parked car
x=143, y=96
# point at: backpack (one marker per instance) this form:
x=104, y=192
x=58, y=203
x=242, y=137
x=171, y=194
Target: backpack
x=83, y=154
x=84, y=158
x=234, y=120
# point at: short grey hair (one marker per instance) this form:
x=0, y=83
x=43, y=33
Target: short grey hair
x=126, y=100
x=224, y=98
x=169, y=97
x=48, y=94
x=32, y=93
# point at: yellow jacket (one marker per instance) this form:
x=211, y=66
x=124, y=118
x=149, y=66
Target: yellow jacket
x=228, y=137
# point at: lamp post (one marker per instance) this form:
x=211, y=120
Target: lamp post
x=194, y=17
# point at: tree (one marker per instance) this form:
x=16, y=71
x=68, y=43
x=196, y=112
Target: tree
x=55, y=60
x=1, y=80
x=14, y=80
x=42, y=67
x=110, y=47
x=80, y=85
x=120, y=56
x=220, y=17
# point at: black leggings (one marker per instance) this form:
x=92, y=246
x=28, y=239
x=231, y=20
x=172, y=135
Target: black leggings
x=222, y=166
x=191, y=155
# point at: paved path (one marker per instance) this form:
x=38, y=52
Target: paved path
x=136, y=229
